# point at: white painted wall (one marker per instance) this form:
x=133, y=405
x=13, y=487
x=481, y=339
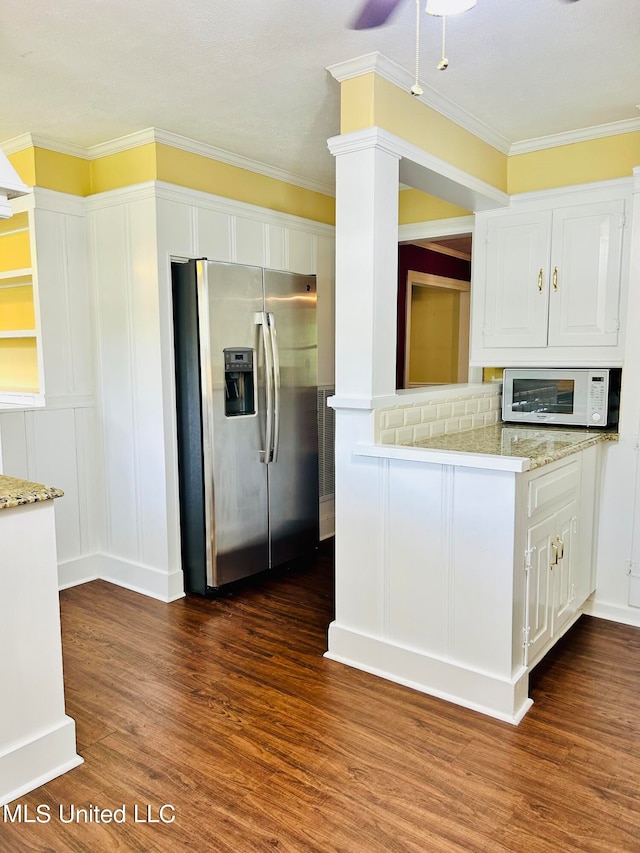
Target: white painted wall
x=134, y=233
x=618, y=560
x=57, y=444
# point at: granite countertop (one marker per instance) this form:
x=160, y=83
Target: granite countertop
x=540, y=445
x=15, y=492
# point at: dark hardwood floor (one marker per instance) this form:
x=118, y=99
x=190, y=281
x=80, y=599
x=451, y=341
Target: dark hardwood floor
x=227, y=711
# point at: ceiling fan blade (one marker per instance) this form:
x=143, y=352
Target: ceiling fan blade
x=374, y=13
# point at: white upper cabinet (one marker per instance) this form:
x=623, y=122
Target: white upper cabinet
x=548, y=282
x=585, y=271
x=517, y=299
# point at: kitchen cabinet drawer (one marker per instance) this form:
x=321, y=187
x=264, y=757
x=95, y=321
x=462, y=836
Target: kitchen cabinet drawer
x=553, y=487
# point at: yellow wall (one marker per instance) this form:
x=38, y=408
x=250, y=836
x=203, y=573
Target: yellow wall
x=24, y=162
x=16, y=308
x=62, y=172
x=14, y=251
x=18, y=365
x=14, y=223
x=578, y=163
x=202, y=173
x=416, y=206
x=134, y=166
x=433, y=347
x=491, y=373
x=154, y=161
x=371, y=100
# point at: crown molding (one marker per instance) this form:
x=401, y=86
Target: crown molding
x=34, y=140
x=615, y=186
x=394, y=73
x=173, y=140
x=585, y=134
x=402, y=78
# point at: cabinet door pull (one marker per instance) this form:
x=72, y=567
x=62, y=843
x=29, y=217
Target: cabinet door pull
x=560, y=553
x=554, y=562
x=540, y=281
x=555, y=279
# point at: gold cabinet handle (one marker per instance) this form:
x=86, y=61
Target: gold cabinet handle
x=561, y=551
x=540, y=281
x=555, y=279
x=554, y=562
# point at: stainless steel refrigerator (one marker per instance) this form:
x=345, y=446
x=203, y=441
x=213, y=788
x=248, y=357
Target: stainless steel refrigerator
x=246, y=387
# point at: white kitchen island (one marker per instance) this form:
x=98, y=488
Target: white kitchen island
x=484, y=544
x=37, y=738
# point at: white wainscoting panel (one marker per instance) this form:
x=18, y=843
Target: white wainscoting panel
x=134, y=235
x=64, y=301
x=250, y=241
x=58, y=447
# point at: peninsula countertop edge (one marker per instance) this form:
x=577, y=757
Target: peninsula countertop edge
x=498, y=447
x=16, y=492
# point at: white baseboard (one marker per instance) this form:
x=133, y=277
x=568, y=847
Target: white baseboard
x=143, y=579
x=134, y=576
x=505, y=699
x=36, y=762
x=81, y=570
x=613, y=612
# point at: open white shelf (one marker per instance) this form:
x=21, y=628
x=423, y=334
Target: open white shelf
x=18, y=333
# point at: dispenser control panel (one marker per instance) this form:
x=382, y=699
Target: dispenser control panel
x=239, y=358
x=239, y=390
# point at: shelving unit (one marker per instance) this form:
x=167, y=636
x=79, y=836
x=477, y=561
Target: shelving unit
x=19, y=339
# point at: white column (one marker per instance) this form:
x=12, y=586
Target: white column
x=367, y=182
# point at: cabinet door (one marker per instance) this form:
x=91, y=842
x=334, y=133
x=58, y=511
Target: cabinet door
x=563, y=582
x=538, y=594
x=517, y=283
x=586, y=256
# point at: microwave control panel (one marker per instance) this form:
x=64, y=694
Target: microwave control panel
x=598, y=396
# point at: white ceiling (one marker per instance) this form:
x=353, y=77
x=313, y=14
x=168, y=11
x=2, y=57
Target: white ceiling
x=250, y=76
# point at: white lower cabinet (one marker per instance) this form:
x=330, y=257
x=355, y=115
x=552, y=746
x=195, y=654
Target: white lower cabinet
x=456, y=574
x=558, y=550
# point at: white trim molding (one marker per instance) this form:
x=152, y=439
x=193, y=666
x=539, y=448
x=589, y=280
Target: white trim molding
x=221, y=204
x=173, y=140
x=569, y=137
x=394, y=73
x=399, y=76
x=436, y=228
x=424, y=171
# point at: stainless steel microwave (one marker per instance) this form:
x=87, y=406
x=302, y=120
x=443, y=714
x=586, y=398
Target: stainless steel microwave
x=563, y=396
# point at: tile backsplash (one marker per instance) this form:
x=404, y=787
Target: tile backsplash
x=405, y=424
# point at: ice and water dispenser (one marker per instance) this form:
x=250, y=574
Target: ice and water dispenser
x=239, y=395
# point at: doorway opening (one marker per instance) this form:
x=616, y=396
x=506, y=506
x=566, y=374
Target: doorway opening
x=437, y=330
x=434, y=294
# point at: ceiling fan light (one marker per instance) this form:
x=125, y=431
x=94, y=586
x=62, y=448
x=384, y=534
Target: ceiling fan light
x=444, y=8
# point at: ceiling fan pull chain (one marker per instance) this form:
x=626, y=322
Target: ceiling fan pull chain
x=444, y=62
x=416, y=89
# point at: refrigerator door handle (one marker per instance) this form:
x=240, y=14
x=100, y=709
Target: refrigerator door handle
x=262, y=319
x=276, y=386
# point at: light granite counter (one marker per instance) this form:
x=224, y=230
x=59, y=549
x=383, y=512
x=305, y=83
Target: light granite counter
x=15, y=492
x=497, y=446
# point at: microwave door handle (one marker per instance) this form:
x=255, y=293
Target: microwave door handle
x=263, y=321
x=276, y=386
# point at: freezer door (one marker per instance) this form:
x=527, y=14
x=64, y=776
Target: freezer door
x=290, y=302
x=230, y=300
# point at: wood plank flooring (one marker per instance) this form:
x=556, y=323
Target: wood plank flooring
x=227, y=711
